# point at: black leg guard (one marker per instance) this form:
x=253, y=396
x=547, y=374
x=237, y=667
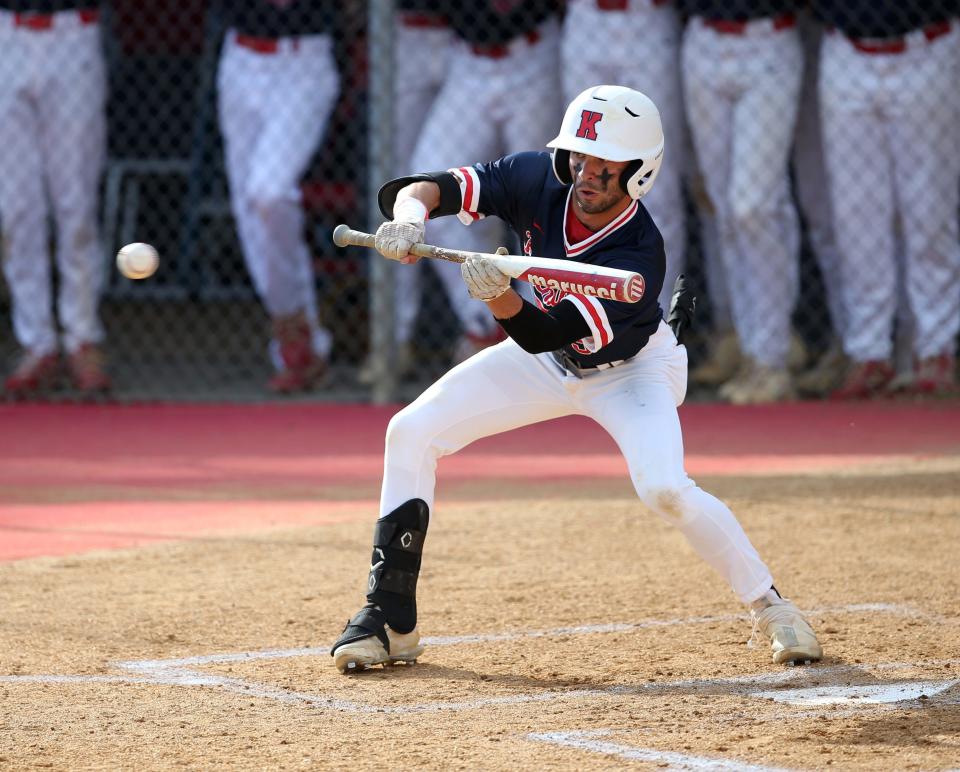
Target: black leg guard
x=395, y=565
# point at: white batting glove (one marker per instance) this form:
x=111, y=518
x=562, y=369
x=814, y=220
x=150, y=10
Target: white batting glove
x=395, y=238
x=483, y=279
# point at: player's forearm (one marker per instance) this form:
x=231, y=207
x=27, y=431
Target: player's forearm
x=536, y=331
x=427, y=193
x=506, y=306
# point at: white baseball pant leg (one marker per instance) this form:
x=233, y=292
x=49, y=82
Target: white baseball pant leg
x=923, y=130
x=23, y=202
x=503, y=388
x=53, y=130
x=742, y=94
x=74, y=135
x=475, y=118
x=861, y=192
x=273, y=112
x=457, y=132
x=656, y=74
x=421, y=62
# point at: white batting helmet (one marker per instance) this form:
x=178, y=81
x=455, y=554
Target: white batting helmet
x=615, y=123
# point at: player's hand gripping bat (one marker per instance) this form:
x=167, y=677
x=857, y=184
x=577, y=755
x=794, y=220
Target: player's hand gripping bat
x=542, y=272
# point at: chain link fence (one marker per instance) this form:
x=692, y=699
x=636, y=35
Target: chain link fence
x=809, y=187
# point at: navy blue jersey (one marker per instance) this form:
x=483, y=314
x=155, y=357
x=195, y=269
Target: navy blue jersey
x=523, y=190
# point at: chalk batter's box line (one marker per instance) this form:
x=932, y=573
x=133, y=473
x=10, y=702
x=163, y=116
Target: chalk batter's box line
x=587, y=740
x=458, y=640
x=741, y=686
x=177, y=672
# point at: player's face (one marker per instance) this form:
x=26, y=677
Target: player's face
x=596, y=182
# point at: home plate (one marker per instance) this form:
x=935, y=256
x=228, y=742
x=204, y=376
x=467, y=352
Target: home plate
x=857, y=695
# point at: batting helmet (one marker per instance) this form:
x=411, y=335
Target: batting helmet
x=617, y=124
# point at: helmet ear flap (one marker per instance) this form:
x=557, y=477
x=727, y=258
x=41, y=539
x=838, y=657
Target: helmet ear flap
x=630, y=178
x=561, y=165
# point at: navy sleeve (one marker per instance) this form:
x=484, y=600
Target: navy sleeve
x=508, y=188
x=537, y=331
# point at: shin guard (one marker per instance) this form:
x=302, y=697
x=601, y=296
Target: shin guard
x=395, y=565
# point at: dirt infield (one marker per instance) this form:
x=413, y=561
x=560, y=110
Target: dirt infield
x=182, y=613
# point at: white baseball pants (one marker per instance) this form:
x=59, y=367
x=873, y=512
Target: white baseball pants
x=488, y=107
x=889, y=127
x=421, y=67
x=52, y=151
x=274, y=109
x=504, y=388
x=742, y=93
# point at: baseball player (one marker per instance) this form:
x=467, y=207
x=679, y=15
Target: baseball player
x=53, y=91
x=618, y=363
x=888, y=95
x=620, y=24
x=277, y=86
x=742, y=70
x=500, y=95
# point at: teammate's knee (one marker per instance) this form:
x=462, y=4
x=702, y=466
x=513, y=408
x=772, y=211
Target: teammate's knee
x=266, y=199
x=747, y=213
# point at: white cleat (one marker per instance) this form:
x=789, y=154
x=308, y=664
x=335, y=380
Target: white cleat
x=791, y=638
x=357, y=656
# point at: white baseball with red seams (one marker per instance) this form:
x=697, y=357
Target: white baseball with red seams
x=138, y=261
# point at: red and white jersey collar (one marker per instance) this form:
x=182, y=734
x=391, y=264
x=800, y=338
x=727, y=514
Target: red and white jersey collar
x=580, y=247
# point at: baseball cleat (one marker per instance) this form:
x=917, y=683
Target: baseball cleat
x=791, y=638
x=367, y=640
x=865, y=380
x=35, y=372
x=722, y=363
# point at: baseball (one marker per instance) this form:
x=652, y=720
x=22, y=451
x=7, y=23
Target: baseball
x=138, y=261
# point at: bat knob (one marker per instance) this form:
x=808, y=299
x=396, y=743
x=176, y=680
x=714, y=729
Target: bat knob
x=341, y=235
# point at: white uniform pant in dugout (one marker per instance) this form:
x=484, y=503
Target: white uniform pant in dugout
x=889, y=129
x=742, y=92
x=52, y=147
x=657, y=25
x=488, y=107
x=273, y=110
x=504, y=388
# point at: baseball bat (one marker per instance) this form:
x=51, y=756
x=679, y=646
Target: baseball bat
x=542, y=272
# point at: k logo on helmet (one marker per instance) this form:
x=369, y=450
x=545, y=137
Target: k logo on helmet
x=588, y=124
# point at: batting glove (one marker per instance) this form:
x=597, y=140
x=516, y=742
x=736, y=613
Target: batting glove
x=394, y=239
x=483, y=279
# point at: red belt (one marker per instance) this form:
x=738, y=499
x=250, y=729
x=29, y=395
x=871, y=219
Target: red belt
x=422, y=20
x=785, y=21
x=501, y=50
x=898, y=45
x=621, y=5
x=45, y=21
x=262, y=45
